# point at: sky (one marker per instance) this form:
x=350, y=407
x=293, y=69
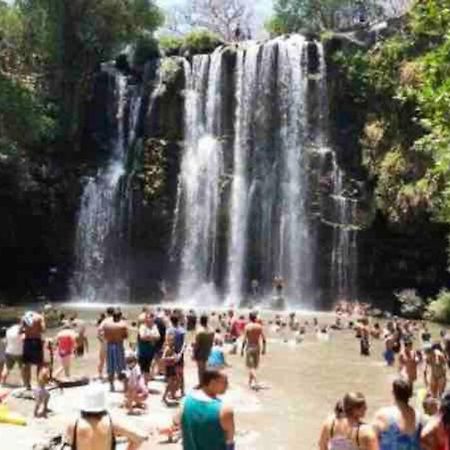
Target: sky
x=263, y=7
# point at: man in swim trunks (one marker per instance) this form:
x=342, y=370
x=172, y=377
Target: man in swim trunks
x=115, y=332
x=202, y=346
x=435, y=373
x=33, y=328
x=389, y=354
x=408, y=361
x=253, y=335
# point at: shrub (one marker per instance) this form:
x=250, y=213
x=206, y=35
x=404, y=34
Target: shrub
x=201, y=41
x=439, y=309
x=171, y=45
x=412, y=306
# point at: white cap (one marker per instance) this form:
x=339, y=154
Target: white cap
x=94, y=400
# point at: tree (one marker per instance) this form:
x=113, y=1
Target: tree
x=227, y=18
x=319, y=15
x=73, y=37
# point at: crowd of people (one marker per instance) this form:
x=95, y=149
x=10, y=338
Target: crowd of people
x=158, y=343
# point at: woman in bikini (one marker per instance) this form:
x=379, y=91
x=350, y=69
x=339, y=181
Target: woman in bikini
x=344, y=430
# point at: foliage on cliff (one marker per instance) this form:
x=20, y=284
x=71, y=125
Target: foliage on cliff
x=49, y=51
x=292, y=16
x=197, y=41
x=402, y=89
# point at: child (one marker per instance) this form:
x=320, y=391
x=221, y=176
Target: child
x=136, y=392
x=42, y=396
x=216, y=360
x=430, y=407
x=169, y=359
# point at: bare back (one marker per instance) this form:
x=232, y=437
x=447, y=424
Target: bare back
x=35, y=330
x=254, y=333
x=92, y=434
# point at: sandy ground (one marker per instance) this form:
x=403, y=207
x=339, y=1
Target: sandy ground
x=301, y=384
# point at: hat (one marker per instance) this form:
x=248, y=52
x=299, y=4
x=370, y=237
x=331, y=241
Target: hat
x=94, y=400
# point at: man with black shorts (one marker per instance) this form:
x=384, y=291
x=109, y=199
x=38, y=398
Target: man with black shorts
x=33, y=328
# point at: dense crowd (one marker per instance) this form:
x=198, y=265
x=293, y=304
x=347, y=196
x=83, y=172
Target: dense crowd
x=157, y=344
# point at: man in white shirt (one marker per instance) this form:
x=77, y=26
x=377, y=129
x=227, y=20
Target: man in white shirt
x=14, y=351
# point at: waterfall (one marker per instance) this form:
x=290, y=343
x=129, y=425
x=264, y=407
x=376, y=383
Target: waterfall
x=246, y=76
x=243, y=210
x=201, y=170
x=344, y=254
x=295, y=262
x=101, y=238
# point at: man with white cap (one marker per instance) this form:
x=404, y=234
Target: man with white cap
x=95, y=429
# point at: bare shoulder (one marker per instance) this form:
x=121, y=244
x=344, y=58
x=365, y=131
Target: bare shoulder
x=430, y=427
x=368, y=432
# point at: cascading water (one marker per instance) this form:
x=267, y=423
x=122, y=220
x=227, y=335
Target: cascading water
x=344, y=254
x=295, y=258
x=199, y=181
x=245, y=201
x=100, y=247
x=246, y=75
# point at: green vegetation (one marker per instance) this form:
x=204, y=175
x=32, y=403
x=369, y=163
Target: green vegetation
x=317, y=15
x=49, y=51
x=439, y=308
x=401, y=95
x=403, y=90
x=196, y=42
x=171, y=44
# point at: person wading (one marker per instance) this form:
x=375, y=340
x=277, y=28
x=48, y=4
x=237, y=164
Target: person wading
x=96, y=430
x=203, y=343
x=345, y=430
x=148, y=336
x=436, y=434
x=33, y=328
x=253, y=335
x=207, y=424
x=399, y=426
x=115, y=332
x=435, y=373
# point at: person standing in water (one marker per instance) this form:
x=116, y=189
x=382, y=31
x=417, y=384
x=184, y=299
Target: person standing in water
x=345, y=430
x=436, y=433
x=33, y=328
x=115, y=333
x=205, y=422
x=435, y=373
x=253, y=335
x=408, y=362
x=203, y=343
x=399, y=426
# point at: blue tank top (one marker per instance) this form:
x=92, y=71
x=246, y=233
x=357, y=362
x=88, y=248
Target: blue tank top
x=201, y=426
x=394, y=439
